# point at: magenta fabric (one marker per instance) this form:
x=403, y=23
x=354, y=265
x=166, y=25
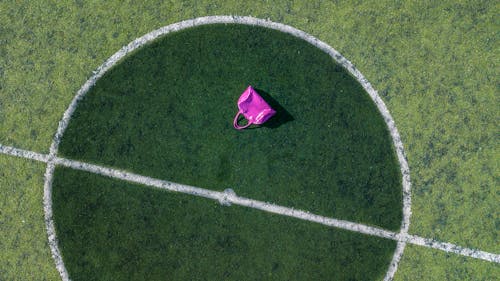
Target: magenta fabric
x=254, y=108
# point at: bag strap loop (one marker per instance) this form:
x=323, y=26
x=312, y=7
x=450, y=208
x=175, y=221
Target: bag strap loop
x=235, y=122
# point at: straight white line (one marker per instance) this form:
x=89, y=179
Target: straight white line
x=225, y=198
x=228, y=197
x=24, y=153
x=452, y=248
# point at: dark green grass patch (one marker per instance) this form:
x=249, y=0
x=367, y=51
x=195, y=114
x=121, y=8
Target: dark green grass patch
x=166, y=112
x=113, y=230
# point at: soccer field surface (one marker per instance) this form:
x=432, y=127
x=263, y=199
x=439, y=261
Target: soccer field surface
x=452, y=164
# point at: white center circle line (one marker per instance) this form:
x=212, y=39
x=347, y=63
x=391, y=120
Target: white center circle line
x=405, y=223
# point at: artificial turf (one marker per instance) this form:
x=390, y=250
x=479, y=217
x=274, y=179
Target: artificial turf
x=434, y=265
x=433, y=62
x=112, y=230
x=24, y=251
x=166, y=111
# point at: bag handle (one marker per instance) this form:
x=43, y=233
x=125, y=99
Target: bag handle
x=235, y=122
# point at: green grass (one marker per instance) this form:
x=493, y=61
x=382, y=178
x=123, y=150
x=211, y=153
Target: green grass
x=166, y=112
x=433, y=62
x=111, y=230
x=24, y=251
x=432, y=265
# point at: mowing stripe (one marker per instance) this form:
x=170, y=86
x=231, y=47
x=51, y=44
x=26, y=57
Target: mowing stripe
x=228, y=197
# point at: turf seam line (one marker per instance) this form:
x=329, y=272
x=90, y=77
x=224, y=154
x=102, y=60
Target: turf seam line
x=230, y=197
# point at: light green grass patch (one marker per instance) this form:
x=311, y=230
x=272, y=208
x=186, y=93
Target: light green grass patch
x=24, y=251
x=432, y=265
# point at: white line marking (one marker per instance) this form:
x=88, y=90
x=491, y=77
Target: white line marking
x=24, y=153
x=47, y=199
x=229, y=197
x=396, y=258
x=49, y=221
x=224, y=197
x=405, y=223
x=452, y=248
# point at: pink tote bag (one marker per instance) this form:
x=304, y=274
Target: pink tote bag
x=254, y=108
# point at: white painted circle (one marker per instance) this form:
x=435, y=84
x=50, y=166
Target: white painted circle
x=139, y=42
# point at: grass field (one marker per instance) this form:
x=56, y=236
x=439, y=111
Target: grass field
x=434, y=64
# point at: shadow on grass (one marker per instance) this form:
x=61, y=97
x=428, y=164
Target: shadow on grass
x=281, y=117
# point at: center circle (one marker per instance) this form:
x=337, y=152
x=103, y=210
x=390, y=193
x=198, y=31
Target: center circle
x=165, y=111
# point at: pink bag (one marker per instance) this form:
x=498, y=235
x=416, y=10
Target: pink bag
x=254, y=108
